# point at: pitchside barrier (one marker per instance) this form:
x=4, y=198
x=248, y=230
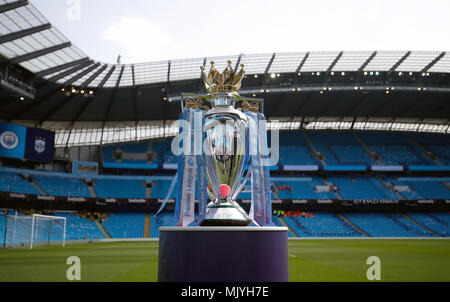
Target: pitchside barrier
x=140, y=240
x=92, y=241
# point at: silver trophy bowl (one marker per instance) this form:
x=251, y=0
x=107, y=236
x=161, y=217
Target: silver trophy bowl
x=226, y=149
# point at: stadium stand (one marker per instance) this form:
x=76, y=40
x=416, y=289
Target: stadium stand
x=361, y=188
x=120, y=188
x=348, y=187
x=322, y=224
x=2, y=227
x=163, y=219
x=131, y=152
x=437, y=222
x=69, y=186
x=125, y=225
x=394, y=148
x=387, y=225
x=278, y=223
x=340, y=148
x=12, y=182
x=80, y=228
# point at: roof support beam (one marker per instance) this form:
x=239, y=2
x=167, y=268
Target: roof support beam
x=168, y=72
x=93, y=77
x=12, y=5
x=38, y=53
x=353, y=123
x=167, y=85
x=330, y=68
x=135, y=96
x=363, y=66
x=87, y=82
x=238, y=62
x=23, y=33
x=88, y=100
x=66, y=101
x=359, y=73
x=70, y=71
x=302, y=63
x=106, y=78
x=113, y=97
x=46, y=72
x=199, y=82
x=302, y=123
x=396, y=65
x=81, y=74
x=431, y=64
x=133, y=76
x=270, y=64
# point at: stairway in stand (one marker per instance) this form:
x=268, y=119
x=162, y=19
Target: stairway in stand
x=147, y=226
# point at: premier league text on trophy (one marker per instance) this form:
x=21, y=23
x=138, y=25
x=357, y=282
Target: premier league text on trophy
x=232, y=133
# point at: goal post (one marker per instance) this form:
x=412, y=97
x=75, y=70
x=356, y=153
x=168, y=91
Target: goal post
x=24, y=231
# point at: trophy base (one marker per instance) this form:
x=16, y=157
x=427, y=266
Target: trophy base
x=223, y=254
x=225, y=214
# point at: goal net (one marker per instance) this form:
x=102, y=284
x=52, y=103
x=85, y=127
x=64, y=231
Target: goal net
x=34, y=230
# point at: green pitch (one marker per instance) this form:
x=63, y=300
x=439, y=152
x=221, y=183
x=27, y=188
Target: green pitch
x=309, y=260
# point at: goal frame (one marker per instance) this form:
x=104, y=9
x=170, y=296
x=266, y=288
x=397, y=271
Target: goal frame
x=34, y=216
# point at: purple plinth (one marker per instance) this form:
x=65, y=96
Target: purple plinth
x=223, y=254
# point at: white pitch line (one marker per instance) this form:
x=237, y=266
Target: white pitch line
x=293, y=256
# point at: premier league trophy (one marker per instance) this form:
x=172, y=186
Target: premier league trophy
x=227, y=148
x=222, y=145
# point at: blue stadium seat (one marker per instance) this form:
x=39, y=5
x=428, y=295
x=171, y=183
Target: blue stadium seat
x=78, y=227
x=162, y=220
x=394, y=148
x=362, y=188
x=437, y=222
x=387, y=225
x=125, y=225
x=12, y=182
x=62, y=186
x=120, y=188
x=278, y=223
x=322, y=224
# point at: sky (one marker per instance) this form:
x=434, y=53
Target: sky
x=155, y=30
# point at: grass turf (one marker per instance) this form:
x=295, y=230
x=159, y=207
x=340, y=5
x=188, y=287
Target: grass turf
x=309, y=260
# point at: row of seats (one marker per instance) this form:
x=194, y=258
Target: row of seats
x=358, y=187
x=320, y=224
x=338, y=148
x=12, y=182
x=52, y=185
x=125, y=225
x=387, y=225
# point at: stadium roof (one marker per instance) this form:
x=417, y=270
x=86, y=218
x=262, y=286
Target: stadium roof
x=73, y=89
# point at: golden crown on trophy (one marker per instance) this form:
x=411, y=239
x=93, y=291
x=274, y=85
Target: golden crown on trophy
x=227, y=81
